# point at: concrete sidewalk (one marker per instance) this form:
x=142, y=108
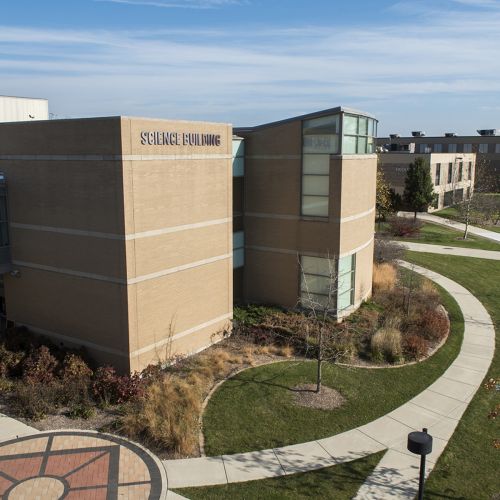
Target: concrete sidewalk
x=446, y=250
x=439, y=408
x=458, y=226
x=10, y=428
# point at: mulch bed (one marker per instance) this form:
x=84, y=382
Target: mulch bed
x=327, y=399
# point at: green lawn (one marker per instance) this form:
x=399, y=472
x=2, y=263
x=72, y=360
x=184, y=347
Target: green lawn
x=254, y=410
x=469, y=467
x=340, y=482
x=435, y=234
x=453, y=214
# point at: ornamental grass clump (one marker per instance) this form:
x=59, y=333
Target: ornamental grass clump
x=384, y=277
x=386, y=345
x=167, y=415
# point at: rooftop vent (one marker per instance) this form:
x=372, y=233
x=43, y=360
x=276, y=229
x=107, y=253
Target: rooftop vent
x=418, y=133
x=394, y=136
x=490, y=131
x=450, y=134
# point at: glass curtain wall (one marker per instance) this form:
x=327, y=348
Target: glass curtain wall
x=358, y=135
x=320, y=139
x=327, y=283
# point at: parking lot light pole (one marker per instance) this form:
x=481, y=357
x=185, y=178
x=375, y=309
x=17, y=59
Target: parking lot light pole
x=420, y=443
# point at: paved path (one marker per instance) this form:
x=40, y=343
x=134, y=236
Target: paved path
x=439, y=408
x=478, y=231
x=78, y=465
x=446, y=250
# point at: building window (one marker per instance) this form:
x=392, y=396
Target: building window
x=438, y=174
x=460, y=171
x=422, y=148
x=346, y=282
x=320, y=139
x=483, y=148
x=450, y=172
x=469, y=174
x=238, y=157
x=467, y=148
x=452, y=148
x=438, y=148
x=327, y=283
x=238, y=249
x=358, y=133
x=497, y=148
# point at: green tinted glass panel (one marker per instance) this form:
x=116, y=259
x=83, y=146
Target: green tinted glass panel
x=316, y=164
x=362, y=142
x=349, y=145
x=363, y=126
x=321, y=144
x=315, y=185
x=316, y=265
x=315, y=205
x=350, y=124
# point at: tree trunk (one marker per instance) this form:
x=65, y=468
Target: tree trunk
x=320, y=361
x=415, y=218
x=467, y=219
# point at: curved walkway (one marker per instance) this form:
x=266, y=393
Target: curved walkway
x=439, y=408
x=478, y=231
x=447, y=250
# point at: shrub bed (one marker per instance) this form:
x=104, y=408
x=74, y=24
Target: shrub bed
x=402, y=322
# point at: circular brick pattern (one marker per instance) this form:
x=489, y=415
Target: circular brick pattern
x=77, y=465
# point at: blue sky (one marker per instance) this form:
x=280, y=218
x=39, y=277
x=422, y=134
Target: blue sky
x=430, y=65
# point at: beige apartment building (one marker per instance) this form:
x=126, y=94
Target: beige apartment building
x=486, y=146
x=452, y=174
x=122, y=235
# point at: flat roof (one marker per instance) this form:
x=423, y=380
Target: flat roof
x=21, y=97
x=411, y=138
x=308, y=116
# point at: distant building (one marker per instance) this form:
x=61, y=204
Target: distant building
x=486, y=145
x=23, y=109
x=452, y=173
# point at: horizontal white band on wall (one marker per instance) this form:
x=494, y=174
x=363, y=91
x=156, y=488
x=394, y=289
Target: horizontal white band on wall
x=180, y=335
x=349, y=218
x=73, y=340
x=310, y=254
x=273, y=157
x=119, y=281
x=177, y=269
x=214, y=156
x=121, y=237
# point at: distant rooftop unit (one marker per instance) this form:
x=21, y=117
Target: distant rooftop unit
x=394, y=136
x=418, y=133
x=489, y=131
x=450, y=134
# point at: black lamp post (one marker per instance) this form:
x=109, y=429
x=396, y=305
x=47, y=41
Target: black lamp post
x=420, y=443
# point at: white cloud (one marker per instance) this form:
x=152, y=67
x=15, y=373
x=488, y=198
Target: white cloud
x=253, y=75
x=179, y=4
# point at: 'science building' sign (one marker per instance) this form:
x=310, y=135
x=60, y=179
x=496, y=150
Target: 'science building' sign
x=179, y=139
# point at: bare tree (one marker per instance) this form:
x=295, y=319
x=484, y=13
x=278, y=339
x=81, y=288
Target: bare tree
x=323, y=309
x=474, y=206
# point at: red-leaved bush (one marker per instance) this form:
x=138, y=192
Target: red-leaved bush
x=39, y=367
x=111, y=388
x=415, y=347
x=402, y=226
x=434, y=325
